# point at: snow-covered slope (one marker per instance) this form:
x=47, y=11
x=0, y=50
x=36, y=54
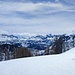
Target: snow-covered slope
x=62, y=64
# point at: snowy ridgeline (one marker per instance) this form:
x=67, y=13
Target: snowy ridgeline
x=60, y=64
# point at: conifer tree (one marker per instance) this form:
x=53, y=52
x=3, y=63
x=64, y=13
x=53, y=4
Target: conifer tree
x=58, y=45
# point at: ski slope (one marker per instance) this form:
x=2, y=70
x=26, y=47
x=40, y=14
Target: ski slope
x=62, y=64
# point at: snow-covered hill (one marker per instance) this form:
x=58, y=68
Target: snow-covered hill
x=62, y=64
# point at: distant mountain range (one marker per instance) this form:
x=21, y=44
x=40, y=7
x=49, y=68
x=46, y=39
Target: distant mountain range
x=39, y=42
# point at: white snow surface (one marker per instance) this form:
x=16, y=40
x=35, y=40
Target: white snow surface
x=61, y=64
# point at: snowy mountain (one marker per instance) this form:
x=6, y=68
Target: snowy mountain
x=5, y=37
x=62, y=64
x=39, y=42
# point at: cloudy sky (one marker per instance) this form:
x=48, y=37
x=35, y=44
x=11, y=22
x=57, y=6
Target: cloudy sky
x=37, y=16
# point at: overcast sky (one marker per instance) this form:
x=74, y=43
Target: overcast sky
x=37, y=16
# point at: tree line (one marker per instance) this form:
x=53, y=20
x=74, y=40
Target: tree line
x=8, y=52
x=61, y=44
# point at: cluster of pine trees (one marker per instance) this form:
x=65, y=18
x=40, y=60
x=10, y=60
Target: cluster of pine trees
x=6, y=53
x=61, y=44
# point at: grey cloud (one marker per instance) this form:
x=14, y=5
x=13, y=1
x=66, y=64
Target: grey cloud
x=31, y=17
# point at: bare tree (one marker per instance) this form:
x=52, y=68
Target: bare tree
x=21, y=52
